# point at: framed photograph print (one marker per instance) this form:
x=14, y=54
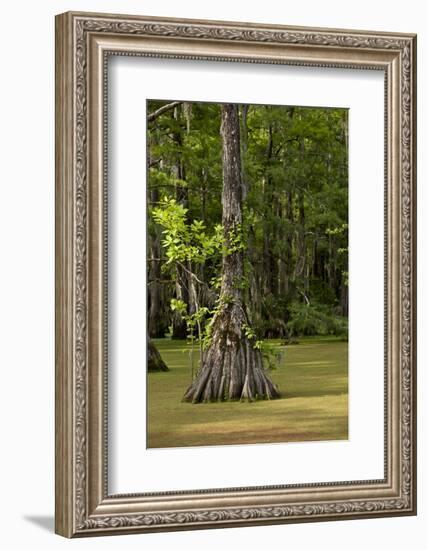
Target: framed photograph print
x=235, y=274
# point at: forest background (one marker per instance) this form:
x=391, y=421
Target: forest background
x=247, y=253
x=295, y=216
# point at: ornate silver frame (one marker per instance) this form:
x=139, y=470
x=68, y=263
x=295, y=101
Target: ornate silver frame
x=83, y=505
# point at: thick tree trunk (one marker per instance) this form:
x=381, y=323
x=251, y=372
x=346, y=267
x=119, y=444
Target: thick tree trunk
x=231, y=367
x=154, y=359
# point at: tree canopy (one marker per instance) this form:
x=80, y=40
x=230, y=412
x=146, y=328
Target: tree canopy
x=294, y=230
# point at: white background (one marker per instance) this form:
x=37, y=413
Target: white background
x=27, y=268
x=133, y=468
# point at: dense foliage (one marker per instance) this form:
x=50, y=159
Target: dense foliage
x=295, y=215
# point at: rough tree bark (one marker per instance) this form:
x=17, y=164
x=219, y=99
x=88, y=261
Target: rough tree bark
x=154, y=359
x=232, y=368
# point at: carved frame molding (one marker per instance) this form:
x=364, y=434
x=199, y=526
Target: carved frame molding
x=83, y=43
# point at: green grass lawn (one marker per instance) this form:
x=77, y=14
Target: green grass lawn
x=312, y=379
